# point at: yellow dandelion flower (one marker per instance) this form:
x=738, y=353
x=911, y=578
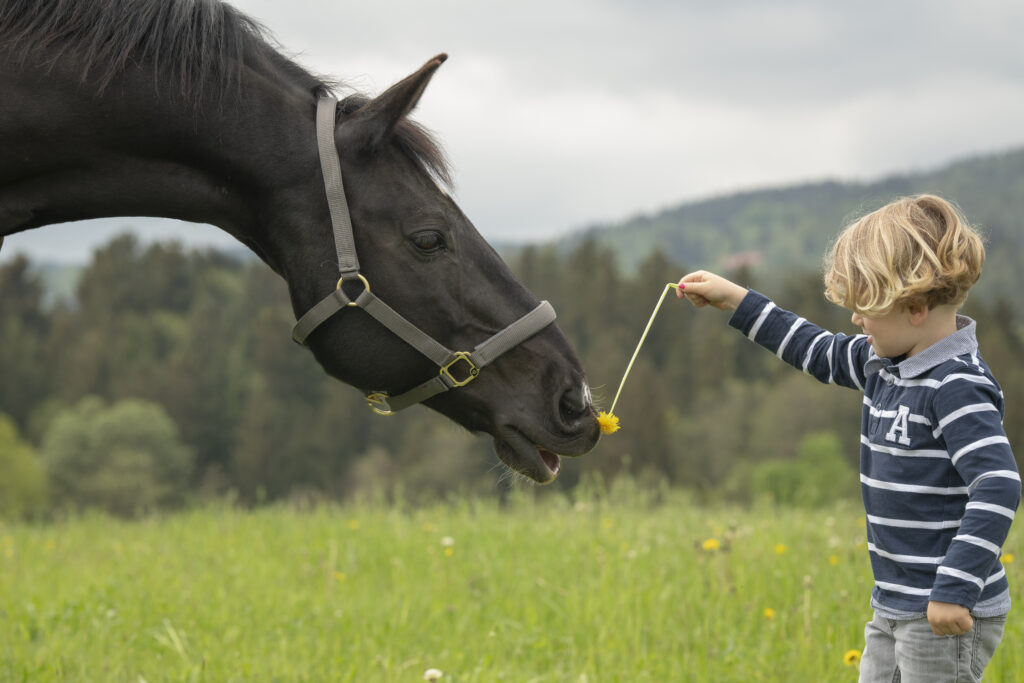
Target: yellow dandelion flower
x=780, y=548
x=833, y=560
x=449, y=551
x=353, y=524
x=851, y=658
x=711, y=544
x=1007, y=558
x=340, y=577
x=768, y=613
x=608, y=423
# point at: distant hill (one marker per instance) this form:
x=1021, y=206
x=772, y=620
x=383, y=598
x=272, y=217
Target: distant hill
x=791, y=227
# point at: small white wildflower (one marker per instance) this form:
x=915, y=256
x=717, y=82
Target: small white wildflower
x=447, y=541
x=432, y=674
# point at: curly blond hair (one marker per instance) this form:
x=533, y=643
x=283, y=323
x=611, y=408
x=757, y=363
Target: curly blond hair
x=911, y=253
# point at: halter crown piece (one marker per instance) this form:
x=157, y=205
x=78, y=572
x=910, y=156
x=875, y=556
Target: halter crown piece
x=456, y=368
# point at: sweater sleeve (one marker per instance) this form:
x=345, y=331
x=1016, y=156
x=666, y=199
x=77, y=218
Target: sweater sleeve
x=968, y=414
x=830, y=358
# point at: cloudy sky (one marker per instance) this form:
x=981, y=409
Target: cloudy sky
x=560, y=114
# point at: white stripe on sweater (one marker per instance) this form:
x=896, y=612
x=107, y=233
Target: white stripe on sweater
x=898, y=588
x=904, y=452
x=810, y=349
x=849, y=364
x=789, y=335
x=913, y=488
x=980, y=443
x=760, y=320
x=905, y=559
x=991, y=507
x=994, y=474
x=913, y=417
x=913, y=523
x=980, y=542
x=963, y=576
x=932, y=383
x=960, y=412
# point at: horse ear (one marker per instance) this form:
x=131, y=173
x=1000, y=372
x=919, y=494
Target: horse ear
x=368, y=126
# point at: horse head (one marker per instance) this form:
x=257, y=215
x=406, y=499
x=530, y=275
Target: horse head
x=422, y=256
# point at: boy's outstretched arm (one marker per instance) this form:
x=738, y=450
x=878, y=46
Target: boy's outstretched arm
x=830, y=358
x=702, y=288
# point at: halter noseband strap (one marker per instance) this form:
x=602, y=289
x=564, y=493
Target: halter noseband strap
x=457, y=368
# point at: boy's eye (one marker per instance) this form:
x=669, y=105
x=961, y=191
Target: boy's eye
x=428, y=241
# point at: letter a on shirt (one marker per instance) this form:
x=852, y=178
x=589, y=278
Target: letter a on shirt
x=899, y=424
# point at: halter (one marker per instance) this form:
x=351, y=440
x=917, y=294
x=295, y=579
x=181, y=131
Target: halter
x=457, y=368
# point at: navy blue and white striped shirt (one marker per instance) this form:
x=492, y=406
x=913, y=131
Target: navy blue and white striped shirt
x=938, y=478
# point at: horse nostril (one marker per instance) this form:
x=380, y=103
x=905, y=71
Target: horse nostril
x=574, y=404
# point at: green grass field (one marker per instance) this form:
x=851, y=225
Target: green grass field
x=610, y=588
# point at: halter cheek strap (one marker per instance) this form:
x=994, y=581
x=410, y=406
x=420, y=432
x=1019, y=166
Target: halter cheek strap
x=456, y=368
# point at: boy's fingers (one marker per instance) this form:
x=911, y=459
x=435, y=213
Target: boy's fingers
x=695, y=291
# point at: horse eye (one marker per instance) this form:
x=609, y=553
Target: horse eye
x=428, y=241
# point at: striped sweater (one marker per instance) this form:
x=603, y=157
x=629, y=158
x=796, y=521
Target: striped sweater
x=938, y=478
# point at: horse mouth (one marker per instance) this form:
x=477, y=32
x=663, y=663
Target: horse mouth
x=522, y=455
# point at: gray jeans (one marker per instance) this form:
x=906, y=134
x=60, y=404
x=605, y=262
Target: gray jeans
x=908, y=651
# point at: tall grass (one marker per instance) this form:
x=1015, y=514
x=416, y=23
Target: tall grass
x=609, y=587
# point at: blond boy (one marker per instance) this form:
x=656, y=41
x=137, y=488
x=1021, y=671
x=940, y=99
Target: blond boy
x=938, y=477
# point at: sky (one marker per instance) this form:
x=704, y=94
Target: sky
x=562, y=115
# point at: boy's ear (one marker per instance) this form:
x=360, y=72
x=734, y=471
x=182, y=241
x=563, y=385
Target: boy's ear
x=918, y=314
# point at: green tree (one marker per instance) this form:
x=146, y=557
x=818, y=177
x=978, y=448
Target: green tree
x=23, y=487
x=125, y=458
x=23, y=327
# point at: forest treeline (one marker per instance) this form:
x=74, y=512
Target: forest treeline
x=171, y=377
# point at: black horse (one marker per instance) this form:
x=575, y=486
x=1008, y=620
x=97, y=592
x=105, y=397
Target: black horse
x=183, y=109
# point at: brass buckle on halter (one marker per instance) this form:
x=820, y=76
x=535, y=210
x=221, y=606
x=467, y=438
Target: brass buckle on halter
x=366, y=285
x=378, y=402
x=473, y=370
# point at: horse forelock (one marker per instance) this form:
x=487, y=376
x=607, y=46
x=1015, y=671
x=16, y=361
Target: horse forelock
x=193, y=45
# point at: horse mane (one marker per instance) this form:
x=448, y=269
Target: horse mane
x=194, y=45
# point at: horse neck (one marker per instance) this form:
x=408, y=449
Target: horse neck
x=242, y=163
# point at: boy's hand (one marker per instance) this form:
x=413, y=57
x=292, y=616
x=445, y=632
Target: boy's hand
x=703, y=288
x=949, y=619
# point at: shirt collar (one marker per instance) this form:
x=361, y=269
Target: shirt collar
x=961, y=342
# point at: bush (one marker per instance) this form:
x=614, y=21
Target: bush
x=126, y=458
x=816, y=477
x=22, y=475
